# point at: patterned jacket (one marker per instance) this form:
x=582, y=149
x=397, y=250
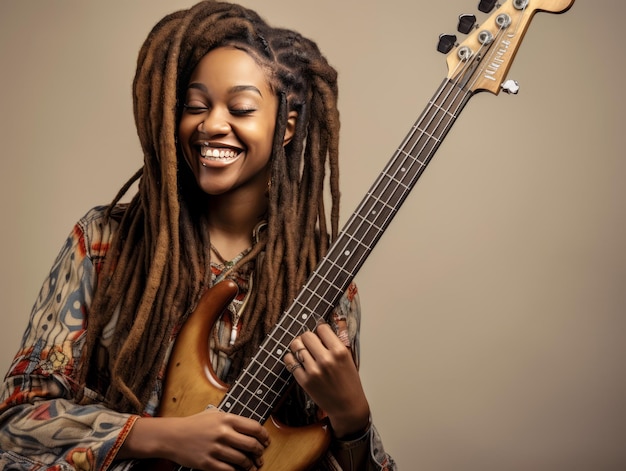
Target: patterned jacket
x=41, y=426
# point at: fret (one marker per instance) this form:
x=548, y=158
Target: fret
x=269, y=373
x=435, y=105
x=257, y=389
x=395, y=182
x=403, y=163
x=273, y=349
x=243, y=410
x=302, y=305
x=340, y=257
x=370, y=227
x=257, y=394
x=406, y=170
x=358, y=248
x=414, y=158
x=371, y=221
x=428, y=135
x=425, y=147
x=391, y=196
x=375, y=212
x=317, y=298
x=300, y=319
x=320, y=286
x=285, y=332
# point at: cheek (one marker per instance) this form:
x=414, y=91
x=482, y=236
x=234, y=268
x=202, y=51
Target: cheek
x=185, y=131
x=185, y=128
x=266, y=135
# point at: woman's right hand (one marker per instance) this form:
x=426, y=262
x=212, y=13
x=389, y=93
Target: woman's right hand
x=210, y=440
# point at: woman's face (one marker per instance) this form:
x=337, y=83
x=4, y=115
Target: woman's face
x=227, y=126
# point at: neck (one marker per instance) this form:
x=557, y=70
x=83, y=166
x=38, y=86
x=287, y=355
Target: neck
x=232, y=222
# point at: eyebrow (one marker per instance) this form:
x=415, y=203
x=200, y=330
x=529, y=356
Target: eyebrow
x=235, y=89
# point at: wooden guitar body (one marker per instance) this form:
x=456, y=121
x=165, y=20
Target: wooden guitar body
x=191, y=386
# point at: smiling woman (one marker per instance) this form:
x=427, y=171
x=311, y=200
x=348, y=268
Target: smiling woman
x=492, y=327
x=238, y=122
x=227, y=128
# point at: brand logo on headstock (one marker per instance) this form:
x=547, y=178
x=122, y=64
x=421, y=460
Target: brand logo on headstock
x=492, y=69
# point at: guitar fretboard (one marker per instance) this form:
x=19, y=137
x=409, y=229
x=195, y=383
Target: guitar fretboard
x=263, y=382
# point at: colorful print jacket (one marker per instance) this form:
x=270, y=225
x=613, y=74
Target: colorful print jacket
x=41, y=426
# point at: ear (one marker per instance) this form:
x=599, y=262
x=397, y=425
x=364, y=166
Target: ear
x=292, y=119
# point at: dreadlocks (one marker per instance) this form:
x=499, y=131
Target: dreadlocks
x=158, y=264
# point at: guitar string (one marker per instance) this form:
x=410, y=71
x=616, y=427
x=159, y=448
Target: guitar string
x=290, y=333
x=395, y=178
x=406, y=155
x=233, y=401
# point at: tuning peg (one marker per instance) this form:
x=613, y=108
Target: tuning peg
x=446, y=43
x=510, y=86
x=486, y=5
x=466, y=23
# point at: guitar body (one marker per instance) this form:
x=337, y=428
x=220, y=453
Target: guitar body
x=191, y=386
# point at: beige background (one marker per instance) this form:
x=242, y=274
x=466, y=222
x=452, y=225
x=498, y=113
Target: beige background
x=493, y=330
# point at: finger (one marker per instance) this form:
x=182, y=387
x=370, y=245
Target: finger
x=315, y=347
x=239, y=460
x=296, y=344
x=248, y=444
x=327, y=336
x=298, y=349
x=254, y=437
x=299, y=354
x=293, y=365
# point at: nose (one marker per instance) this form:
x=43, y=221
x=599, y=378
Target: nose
x=214, y=123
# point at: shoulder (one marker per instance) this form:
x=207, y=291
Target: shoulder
x=96, y=229
x=97, y=216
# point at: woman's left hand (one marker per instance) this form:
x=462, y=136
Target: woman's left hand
x=324, y=367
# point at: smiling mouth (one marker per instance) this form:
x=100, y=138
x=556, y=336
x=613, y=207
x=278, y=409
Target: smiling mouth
x=222, y=155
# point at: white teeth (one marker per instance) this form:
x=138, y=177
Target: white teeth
x=207, y=152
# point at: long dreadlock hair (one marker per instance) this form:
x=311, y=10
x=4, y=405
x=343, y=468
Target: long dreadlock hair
x=158, y=264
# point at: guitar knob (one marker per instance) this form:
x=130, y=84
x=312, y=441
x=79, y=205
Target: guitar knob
x=486, y=5
x=446, y=43
x=510, y=86
x=466, y=23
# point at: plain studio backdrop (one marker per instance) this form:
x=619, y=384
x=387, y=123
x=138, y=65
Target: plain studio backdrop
x=493, y=307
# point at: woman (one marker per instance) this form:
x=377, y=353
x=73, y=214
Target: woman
x=237, y=122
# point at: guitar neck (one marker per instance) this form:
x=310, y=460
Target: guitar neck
x=263, y=382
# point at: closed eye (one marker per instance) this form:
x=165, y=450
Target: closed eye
x=195, y=109
x=242, y=111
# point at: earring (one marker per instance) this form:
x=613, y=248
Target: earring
x=269, y=187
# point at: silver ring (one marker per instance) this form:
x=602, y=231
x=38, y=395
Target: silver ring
x=293, y=367
x=298, y=355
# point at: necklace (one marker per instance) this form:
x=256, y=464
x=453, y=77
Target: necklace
x=227, y=263
x=235, y=313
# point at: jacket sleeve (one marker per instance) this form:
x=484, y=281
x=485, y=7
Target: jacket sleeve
x=41, y=427
x=346, y=319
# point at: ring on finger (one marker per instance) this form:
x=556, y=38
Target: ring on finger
x=298, y=355
x=293, y=367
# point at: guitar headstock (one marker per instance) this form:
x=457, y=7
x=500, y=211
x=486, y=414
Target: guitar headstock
x=482, y=61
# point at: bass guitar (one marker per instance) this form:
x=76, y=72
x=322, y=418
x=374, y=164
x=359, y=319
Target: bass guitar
x=480, y=63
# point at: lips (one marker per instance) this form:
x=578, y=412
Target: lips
x=217, y=153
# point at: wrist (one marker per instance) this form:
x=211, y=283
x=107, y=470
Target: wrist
x=352, y=447
x=146, y=439
x=357, y=434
